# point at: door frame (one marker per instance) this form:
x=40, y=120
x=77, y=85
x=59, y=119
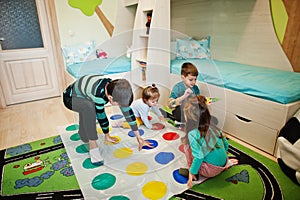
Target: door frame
x=56, y=46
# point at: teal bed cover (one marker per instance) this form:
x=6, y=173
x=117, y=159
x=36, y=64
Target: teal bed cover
x=267, y=83
x=100, y=66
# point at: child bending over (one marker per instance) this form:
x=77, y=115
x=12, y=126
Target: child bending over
x=87, y=96
x=205, y=146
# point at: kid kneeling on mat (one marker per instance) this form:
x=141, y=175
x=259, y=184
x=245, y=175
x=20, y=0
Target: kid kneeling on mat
x=142, y=106
x=87, y=96
x=205, y=146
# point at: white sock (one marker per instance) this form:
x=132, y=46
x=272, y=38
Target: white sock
x=95, y=155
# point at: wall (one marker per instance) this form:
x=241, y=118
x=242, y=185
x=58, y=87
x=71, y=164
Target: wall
x=236, y=35
x=75, y=27
x=241, y=30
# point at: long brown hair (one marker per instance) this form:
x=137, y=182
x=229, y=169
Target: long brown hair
x=198, y=116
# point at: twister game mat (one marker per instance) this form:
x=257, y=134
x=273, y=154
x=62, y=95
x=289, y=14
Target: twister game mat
x=60, y=168
x=152, y=173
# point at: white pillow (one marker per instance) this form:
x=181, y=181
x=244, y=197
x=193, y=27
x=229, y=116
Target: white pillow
x=79, y=53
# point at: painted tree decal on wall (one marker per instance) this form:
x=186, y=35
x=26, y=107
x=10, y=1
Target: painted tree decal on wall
x=88, y=7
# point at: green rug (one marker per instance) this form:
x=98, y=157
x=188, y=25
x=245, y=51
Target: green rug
x=41, y=166
x=256, y=177
x=44, y=166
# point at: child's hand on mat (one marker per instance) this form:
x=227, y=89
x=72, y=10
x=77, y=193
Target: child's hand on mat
x=162, y=119
x=190, y=181
x=143, y=143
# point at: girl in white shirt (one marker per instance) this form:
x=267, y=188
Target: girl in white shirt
x=142, y=106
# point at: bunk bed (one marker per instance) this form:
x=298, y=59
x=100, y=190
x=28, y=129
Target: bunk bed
x=255, y=102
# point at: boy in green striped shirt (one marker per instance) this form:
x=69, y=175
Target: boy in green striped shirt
x=88, y=96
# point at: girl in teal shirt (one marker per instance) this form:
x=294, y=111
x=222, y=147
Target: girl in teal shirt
x=205, y=146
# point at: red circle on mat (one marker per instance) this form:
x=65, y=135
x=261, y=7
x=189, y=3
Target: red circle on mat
x=149, y=117
x=181, y=148
x=170, y=136
x=158, y=126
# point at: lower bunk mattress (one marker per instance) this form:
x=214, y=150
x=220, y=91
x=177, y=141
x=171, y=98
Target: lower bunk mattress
x=266, y=83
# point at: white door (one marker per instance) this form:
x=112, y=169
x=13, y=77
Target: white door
x=28, y=70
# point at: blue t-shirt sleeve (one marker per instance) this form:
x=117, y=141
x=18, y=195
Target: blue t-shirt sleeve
x=196, y=89
x=177, y=91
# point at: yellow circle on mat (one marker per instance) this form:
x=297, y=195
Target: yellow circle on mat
x=99, y=130
x=136, y=169
x=123, y=152
x=154, y=190
x=118, y=139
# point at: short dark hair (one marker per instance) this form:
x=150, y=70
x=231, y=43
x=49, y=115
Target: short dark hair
x=189, y=68
x=121, y=91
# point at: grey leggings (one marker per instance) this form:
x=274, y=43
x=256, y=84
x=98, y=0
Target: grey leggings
x=87, y=116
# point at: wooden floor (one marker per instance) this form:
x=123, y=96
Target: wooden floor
x=32, y=121
x=36, y=120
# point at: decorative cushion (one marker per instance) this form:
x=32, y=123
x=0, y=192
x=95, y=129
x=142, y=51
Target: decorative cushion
x=79, y=53
x=193, y=48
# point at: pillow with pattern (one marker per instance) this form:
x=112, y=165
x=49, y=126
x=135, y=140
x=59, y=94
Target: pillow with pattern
x=193, y=48
x=79, y=53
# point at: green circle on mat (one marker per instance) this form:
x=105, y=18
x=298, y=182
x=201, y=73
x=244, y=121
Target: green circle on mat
x=119, y=198
x=87, y=164
x=75, y=137
x=82, y=149
x=72, y=127
x=103, y=181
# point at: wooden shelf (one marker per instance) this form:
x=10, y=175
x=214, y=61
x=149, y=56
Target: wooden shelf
x=151, y=47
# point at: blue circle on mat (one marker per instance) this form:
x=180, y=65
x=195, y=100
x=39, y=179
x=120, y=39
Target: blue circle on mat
x=164, y=157
x=179, y=178
x=154, y=143
x=116, y=117
x=131, y=133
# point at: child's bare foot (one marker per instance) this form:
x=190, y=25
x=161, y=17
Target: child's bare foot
x=110, y=139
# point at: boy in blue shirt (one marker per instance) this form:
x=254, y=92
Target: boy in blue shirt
x=181, y=91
